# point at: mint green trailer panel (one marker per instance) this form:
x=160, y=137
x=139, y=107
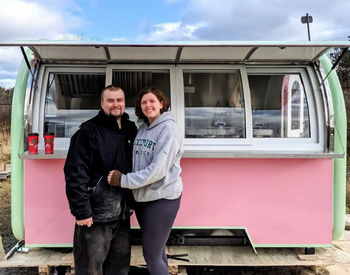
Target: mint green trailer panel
x=340, y=137
x=17, y=164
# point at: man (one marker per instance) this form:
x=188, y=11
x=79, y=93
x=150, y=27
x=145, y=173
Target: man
x=103, y=143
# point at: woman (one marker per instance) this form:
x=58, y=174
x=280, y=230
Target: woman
x=155, y=181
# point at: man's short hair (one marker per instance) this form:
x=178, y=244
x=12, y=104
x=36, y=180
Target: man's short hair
x=111, y=88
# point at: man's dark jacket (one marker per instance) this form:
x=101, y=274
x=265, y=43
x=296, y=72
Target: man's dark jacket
x=98, y=147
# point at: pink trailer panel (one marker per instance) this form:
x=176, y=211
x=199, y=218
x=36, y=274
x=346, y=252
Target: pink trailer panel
x=279, y=201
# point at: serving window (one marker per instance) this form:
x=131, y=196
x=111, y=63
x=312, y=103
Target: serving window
x=219, y=108
x=279, y=106
x=133, y=81
x=71, y=99
x=214, y=104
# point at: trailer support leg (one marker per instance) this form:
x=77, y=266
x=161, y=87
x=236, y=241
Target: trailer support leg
x=310, y=251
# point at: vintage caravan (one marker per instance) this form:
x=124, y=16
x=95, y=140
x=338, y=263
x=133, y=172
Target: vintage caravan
x=264, y=129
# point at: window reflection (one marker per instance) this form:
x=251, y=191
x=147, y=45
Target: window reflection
x=73, y=98
x=70, y=100
x=279, y=106
x=214, y=105
x=132, y=82
x=295, y=105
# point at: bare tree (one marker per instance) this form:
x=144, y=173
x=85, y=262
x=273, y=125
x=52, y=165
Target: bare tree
x=6, y=96
x=343, y=68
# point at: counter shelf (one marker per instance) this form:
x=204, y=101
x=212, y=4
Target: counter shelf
x=62, y=154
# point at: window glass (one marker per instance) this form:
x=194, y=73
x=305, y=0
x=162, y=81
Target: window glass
x=132, y=82
x=70, y=100
x=279, y=106
x=214, y=104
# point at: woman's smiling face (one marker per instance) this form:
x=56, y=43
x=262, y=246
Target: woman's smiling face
x=151, y=106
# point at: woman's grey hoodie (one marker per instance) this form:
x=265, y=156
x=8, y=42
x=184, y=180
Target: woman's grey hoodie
x=157, y=152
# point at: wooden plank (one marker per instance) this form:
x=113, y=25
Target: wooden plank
x=339, y=269
x=310, y=257
x=343, y=245
x=344, y=237
x=2, y=251
x=339, y=254
x=4, y=176
x=5, y=169
x=137, y=256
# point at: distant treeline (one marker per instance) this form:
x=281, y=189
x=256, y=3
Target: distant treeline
x=343, y=68
x=344, y=77
x=6, y=96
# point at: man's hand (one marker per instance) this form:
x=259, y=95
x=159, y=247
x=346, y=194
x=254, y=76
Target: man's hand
x=88, y=222
x=114, y=178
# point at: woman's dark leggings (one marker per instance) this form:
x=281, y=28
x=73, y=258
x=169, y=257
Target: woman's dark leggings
x=156, y=219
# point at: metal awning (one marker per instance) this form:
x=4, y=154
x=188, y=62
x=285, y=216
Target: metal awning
x=178, y=52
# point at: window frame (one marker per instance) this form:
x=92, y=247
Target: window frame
x=141, y=67
x=316, y=117
x=61, y=143
x=196, y=147
x=217, y=143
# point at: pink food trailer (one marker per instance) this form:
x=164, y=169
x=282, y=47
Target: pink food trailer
x=264, y=129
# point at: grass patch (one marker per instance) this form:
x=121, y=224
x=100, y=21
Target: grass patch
x=5, y=185
x=5, y=134
x=347, y=105
x=347, y=192
x=5, y=209
x=5, y=147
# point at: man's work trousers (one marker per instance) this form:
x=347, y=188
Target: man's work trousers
x=103, y=248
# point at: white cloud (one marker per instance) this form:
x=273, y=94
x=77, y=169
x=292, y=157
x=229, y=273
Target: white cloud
x=7, y=83
x=59, y=6
x=119, y=39
x=254, y=20
x=10, y=55
x=268, y=20
x=5, y=74
x=170, y=31
x=10, y=59
x=28, y=20
x=31, y=20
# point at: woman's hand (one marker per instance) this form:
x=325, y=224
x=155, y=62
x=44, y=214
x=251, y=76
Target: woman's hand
x=114, y=178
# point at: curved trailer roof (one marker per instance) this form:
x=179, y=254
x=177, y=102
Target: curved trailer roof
x=178, y=52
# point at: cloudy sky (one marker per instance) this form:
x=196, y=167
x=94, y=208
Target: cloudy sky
x=164, y=20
